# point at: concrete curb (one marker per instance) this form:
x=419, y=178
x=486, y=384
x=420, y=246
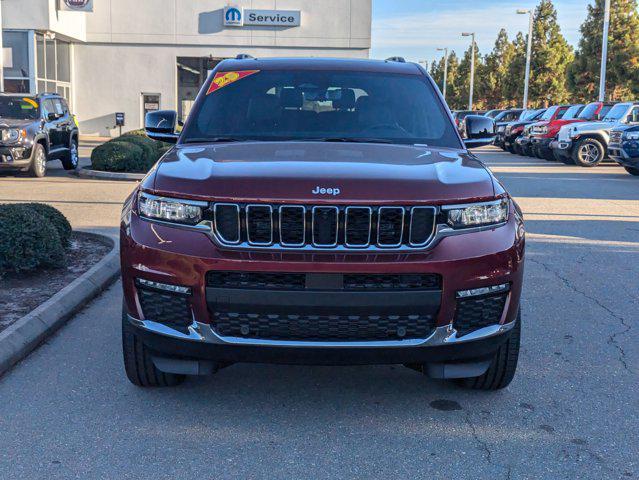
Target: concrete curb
x=97, y=174
x=17, y=341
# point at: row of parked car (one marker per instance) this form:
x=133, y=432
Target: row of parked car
x=583, y=135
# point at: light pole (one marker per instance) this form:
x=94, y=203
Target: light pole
x=472, y=67
x=1, y=53
x=445, y=50
x=528, y=52
x=604, y=52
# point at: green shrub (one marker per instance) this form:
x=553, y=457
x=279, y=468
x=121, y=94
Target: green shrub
x=148, y=146
x=54, y=217
x=116, y=156
x=137, y=133
x=28, y=241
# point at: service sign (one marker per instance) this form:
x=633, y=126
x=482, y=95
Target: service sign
x=76, y=5
x=240, y=17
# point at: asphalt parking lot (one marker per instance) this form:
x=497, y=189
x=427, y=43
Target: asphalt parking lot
x=68, y=411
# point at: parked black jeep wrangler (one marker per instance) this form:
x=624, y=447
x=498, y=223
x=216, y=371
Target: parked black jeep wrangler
x=36, y=129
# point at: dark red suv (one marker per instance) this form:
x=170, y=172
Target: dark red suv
x=318, y=211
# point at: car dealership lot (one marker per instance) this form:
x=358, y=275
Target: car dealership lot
x=68, y=411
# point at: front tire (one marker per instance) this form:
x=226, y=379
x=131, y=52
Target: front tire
x=71, y=159
x=502, y=368
x=138, y=364
x=632, y=170
x=588, y=153
x=38, y=167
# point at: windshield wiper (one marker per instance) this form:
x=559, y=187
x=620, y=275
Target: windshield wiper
x=214, y=140
x=351, y=139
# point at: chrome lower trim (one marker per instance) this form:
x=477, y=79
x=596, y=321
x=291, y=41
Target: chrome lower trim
x=203, y=333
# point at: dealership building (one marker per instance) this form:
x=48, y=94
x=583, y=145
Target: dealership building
x=133, y=56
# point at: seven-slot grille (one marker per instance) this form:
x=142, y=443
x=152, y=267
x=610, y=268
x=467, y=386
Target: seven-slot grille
x=615, y=137
x=323, y=227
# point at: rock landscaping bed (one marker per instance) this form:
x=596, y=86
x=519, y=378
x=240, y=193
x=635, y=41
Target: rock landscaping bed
x=22, y=292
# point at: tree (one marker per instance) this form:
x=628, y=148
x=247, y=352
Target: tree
x=551, y=56
x=622, y=76
x=463, y=80
x=513, y=88
x=452, y=88
x=493, y=83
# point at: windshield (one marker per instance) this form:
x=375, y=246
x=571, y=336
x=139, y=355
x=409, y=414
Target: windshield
x=528, y=114
x=321, y=105
x=572, y=112
x=590, y=111
x=17, y=107
x=617, y=112
x=548, y=114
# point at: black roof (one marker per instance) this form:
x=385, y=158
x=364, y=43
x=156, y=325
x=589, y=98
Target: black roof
x=312, y=63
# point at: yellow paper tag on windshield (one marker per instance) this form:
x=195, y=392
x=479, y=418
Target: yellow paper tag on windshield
x=222, y=79
x=30, y=101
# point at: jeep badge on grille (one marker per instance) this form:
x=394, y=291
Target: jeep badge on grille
x=326, y=191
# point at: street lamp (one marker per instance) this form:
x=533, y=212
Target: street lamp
x=604, y=52
x=472, y=67
x=445, y=50
x=528, y=52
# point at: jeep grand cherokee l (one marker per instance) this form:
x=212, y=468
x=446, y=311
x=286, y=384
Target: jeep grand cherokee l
x=318, y=211
x=36, y=129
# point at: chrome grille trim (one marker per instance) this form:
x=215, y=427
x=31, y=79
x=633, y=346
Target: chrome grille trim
x=215, y=223
x=248, y=228
x=300, y=225
x=328, y=245
x=379, y=223
x=410, y=228
x=292, y=207
x=370, y=227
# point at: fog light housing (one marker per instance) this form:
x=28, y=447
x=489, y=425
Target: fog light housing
x=478, y=292
x=164, y=287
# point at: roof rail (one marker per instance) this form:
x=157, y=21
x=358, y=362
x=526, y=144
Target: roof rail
x=243, y=56
x=396, y=59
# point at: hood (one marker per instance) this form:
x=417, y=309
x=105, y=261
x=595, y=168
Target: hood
x=293, y=171
x=588, y=126
x=14, y=122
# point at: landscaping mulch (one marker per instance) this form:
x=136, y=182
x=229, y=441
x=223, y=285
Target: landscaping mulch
x=22, y=292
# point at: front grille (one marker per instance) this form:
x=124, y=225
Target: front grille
x=323, y=227
x=303, y=281
x=615, y=137
x=323, y=327
x=167, y=308
x=475, y=313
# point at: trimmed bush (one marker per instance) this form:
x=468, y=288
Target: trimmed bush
x=148, y=146
x=54, y=217
x=115, y=156
x=28, y=241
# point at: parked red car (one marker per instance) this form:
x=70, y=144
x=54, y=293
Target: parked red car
x=524, y=141
x=543, y=135
x=326, y=212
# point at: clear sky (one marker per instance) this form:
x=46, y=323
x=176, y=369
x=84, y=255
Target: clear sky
x=415, y=28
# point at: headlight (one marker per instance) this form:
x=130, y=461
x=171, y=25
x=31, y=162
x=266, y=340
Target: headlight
x=631, y=135
x=12, y=135
x=477, y=215
x=187, y=212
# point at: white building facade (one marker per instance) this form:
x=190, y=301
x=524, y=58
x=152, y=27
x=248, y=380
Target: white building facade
x=132, y=56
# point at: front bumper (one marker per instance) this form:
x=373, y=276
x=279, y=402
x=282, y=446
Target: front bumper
x=625, y=154
x=174, y=256
x=15, y=156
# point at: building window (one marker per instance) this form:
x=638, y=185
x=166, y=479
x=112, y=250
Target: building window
x=16, y=61
x=54, y=66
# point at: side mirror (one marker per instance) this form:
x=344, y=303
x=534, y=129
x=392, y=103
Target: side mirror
x=160, y=125
x=478, y=131
x=52, y=117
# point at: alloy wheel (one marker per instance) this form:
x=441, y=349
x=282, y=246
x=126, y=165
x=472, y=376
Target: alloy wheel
x=74, y=154
x=589, y=153
x=41, y=163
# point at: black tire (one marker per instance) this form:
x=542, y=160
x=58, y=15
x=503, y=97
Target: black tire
x=567, y=160
x=527, y=151
x=71, y=159
x=588, y=152
x=38, y=167
x=511, y=149
x=502, y=369
x=548, y=155
x=537, y=153
x=138, y=365
x=517, y=149
x=632, y=170
x=558, y=157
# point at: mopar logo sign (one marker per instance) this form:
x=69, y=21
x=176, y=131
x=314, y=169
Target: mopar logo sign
x=233, y=17
x=77, y=5
x=238, y=17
